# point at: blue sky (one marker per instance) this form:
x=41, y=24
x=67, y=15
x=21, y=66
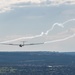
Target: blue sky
x=27, y=18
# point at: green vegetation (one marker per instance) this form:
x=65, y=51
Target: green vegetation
x=7, y=70
x=37, y=70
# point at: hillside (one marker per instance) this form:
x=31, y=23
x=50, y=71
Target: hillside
x=36, y=58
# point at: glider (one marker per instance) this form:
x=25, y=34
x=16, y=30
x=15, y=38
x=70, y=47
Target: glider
x=21, y=45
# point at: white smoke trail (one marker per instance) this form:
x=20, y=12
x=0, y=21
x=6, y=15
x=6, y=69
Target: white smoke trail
x=58, y=24
x=59, y=40
x=68, y=21
x=23, y=38
x=46, y=33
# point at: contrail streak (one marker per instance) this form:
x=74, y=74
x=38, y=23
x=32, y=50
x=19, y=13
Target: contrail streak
x=59, y=40
x=46, y=33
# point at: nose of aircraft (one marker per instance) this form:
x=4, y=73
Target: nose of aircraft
x=20, y=45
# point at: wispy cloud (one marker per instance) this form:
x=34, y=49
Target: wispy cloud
x=6, y=5
x=58, y=2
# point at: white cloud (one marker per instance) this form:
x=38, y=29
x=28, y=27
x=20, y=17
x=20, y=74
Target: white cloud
x=6, y=5
x=58, y=2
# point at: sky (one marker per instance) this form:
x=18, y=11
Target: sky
x=34, y=21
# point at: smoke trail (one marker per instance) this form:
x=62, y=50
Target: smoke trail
x=68, y=21
x=58, y=24
x=61, y=25
x=59, y=40
x=46, y=33
x=23, y=38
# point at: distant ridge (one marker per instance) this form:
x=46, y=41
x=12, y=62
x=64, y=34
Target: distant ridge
x=69, y=53
x=36, y=58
